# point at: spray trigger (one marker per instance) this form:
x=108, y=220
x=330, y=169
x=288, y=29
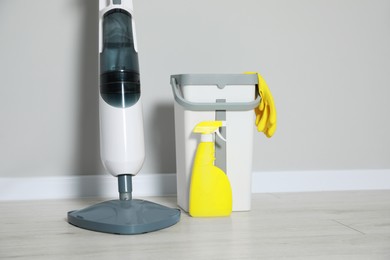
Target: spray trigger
x=219, y=131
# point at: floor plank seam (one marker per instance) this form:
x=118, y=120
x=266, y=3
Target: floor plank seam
x=345, y=225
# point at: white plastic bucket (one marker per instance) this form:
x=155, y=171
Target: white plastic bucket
x=207, y=97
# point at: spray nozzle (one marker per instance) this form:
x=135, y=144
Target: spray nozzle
x=207, y=128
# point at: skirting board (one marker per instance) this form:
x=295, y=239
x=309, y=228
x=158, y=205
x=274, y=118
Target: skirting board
x=105, y=186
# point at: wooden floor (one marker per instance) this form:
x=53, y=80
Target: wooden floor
x=325, y=225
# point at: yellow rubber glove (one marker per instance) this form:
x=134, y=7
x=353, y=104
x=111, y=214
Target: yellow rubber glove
x=266, y=111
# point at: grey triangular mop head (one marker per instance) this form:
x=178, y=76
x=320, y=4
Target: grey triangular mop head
x=124, y=217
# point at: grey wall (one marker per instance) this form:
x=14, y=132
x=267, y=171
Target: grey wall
x=326, y=62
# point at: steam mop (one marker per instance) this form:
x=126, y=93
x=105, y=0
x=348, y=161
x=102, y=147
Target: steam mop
x=122, y=145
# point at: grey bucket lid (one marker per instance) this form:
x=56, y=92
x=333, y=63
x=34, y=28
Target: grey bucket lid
x=221, y=80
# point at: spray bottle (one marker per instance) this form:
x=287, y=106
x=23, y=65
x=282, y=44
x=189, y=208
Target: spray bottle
x=210, y=190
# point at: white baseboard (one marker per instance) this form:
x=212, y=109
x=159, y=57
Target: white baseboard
x=68, y=187
x=330, y=180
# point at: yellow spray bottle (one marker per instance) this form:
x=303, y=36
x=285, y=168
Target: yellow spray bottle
x=210, y=190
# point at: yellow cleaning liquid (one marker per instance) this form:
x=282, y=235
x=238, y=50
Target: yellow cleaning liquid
x=210, y=190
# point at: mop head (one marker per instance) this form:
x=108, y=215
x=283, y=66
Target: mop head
x=124, y=217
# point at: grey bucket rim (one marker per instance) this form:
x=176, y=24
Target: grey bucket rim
x=221, y=80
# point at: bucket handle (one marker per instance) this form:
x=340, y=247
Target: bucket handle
x=203, y=106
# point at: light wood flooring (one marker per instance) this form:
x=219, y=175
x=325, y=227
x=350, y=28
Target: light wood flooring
x=323, y=225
